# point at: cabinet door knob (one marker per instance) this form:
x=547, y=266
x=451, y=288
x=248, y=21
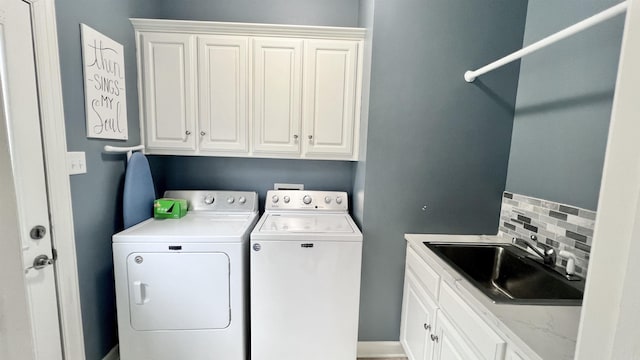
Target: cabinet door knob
x=187, y=132
x=295, y=137
x=310, y=137
x=434, y=338
x=427, y=326
x=202, y=133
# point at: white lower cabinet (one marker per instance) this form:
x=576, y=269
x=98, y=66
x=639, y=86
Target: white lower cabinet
x=438, y=324
x=513, y=354
x=449, y=343
x=418, y=320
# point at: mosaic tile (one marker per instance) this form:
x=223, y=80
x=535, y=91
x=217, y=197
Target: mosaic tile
x=576, y=236
x=585, y=231
x=581, y=221
x=557, y=215
x=567, y=226
x=583, y=247
x=587, y=214
x=561, y=226
x=568, y=210
x=524, y=219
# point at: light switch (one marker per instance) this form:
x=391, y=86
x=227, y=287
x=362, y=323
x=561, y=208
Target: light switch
x=76, y=162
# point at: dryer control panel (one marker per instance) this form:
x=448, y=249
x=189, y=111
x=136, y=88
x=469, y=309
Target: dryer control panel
x=217, y=200
x=306, y=200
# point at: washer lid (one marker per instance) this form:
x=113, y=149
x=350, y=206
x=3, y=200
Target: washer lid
x=307, y=223
x=195, y=226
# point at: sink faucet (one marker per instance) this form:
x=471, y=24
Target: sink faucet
x=548, y=256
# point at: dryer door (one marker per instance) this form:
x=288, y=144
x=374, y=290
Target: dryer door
x=178, y=291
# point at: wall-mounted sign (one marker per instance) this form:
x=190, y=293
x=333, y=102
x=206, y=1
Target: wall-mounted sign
x=104, y=86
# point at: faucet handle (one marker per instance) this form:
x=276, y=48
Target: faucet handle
x=571, y=261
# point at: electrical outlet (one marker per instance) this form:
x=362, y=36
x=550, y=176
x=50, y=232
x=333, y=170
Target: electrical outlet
x=76, y=162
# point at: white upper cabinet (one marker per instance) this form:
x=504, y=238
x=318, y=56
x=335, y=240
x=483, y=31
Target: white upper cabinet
x=330, y=97
x=277, y=83
x=250, y=90
x=168, y=90
x=222, y=93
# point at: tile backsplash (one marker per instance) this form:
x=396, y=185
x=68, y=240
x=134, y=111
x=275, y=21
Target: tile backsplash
x=560, y=226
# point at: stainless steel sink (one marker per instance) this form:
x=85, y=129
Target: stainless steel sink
x=508, y=274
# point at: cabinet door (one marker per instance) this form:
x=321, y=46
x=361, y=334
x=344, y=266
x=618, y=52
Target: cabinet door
x=277, y=87
x=486, y=342
x=222, y=97
x=417, y=324
x=512, y=354
x=168, y=86
x=449, y=343
x=330, y=97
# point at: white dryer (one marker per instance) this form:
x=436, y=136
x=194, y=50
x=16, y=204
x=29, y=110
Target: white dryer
x=181, y=284
x=305, y=262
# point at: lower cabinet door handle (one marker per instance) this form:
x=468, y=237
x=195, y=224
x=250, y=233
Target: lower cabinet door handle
x=427, y=326
x=434, y=338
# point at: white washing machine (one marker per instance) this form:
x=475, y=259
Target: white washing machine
x=305, y=261
x=181, y=284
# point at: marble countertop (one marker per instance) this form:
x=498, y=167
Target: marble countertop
x=540, y=332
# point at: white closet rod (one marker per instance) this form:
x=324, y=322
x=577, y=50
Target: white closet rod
x=122, y=149
x=470, y=75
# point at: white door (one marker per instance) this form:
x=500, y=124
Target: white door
x=449, y=343
x=277, y=96
x=418, y=320
x=330, y=68
x=29, y=324
x=223, y=97
x=168, y=83
x=178, y=291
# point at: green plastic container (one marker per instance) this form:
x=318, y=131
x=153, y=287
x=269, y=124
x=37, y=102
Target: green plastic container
x=166, y=208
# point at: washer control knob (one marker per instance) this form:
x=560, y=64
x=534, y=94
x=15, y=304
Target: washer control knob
x=230, y=200
x=306, y=199
x=274, y=199
x=339, y=200
x=327, y=199
x=242, y=199
x=208, y=199
x=286, y=199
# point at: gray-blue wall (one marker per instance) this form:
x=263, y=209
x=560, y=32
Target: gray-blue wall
x=245, y=174
x=97, y=195
x=298, y=12
x=563, y=105
x=434, y=140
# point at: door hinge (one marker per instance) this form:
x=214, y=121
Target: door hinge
x=54, y=254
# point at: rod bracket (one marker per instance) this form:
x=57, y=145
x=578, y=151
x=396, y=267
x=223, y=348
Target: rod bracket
x=468, y=76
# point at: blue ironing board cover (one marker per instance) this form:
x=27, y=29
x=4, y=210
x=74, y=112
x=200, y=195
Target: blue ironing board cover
x=139, y=192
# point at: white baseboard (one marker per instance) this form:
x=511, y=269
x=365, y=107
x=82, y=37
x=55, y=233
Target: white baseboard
x=114, y=354
x=380, y=349
x=366, y=349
